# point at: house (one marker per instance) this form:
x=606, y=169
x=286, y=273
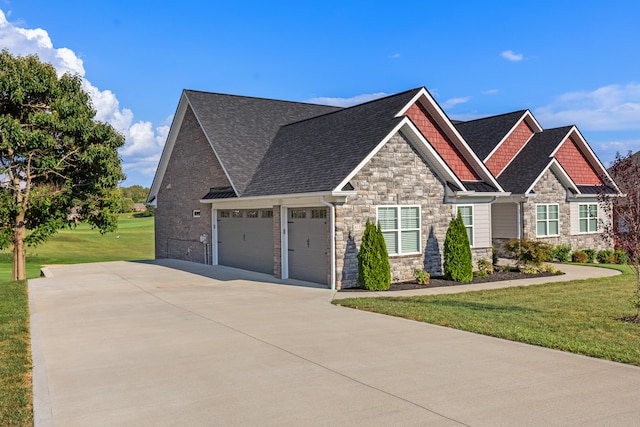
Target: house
x=552, y=175
x=139, y=207
x=285, y=188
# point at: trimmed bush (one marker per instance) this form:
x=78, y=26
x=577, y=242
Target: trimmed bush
x=605, y=256
x=579, y=256
x=422, y=277
x=485, y=267
x=494, y=255
x=458, y=265
x=529, y=253
x=591, y=255
x=374, y=271
x=621, y=256
x=562, y=253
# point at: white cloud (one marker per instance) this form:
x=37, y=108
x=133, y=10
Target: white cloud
x=347, y=102
x=490, y=92
x=143, y=142
x=613, y=107
x=510, y=55
x=394, y=56
x=450, y=103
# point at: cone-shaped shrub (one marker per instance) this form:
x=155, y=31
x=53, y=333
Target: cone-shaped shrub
x=374, y=272
x=458, y=265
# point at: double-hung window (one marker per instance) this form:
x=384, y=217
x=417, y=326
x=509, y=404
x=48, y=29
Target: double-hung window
x=400, y=227
x=547, y=220
x=588, y=218
x=466, y=213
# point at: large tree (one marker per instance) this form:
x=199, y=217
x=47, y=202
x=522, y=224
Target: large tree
x=624, y=227
x=57, y=164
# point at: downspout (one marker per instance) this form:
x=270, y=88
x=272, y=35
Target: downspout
x=332, y=227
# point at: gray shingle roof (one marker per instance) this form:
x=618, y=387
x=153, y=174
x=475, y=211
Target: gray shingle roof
x=317, y=154
x=483, y=135
x=532, y=160
x=241, y=129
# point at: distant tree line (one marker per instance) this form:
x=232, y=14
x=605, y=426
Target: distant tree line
x=129, y=196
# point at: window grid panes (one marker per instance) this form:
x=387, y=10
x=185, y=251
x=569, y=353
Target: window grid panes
x=266, y=213
x=588, y=217
x=298, y=213
x=400, y=227
x=252, y=214
x=318, y=213
x=466, y=213
x=547, y=220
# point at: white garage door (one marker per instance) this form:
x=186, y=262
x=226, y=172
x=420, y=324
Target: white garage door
x=245, y=239
x=308, y=244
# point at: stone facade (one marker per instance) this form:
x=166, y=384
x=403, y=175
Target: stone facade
x=550, y=190
x=192, y=170
x=396, y=175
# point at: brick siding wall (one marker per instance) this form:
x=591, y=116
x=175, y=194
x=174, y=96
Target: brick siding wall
x=191, y=171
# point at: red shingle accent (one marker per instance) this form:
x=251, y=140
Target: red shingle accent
x=576, y=164
x=509, y=148
x=441, y=143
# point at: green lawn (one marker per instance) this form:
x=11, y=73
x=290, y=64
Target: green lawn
x=133, y=240
x=580, y=316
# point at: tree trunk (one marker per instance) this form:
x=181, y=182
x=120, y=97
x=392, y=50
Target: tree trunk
x=19, y=271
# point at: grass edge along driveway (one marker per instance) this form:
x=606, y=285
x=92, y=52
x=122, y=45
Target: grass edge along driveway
x=133, y=240
x=581, y=316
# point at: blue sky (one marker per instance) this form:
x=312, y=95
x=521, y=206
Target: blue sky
x=568, y=62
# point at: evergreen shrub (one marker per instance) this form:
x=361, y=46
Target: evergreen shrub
x=458, y=265
x=374, y=271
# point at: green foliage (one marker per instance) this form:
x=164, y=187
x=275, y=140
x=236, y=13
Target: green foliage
x=579, y=256
x=529, y=253
x=374, y=271
x=137, y=193
x=494, y=255
x=422, y=277
x=606, y=256
x=485, y=267
x=621, y=256
x=54, y=156
x=591, y=255
x=458, y=265
x=562, y=253
x=150, y=212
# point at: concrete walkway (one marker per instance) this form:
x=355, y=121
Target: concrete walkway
x=173, y=343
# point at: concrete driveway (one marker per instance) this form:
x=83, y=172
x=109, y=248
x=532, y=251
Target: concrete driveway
x=173, y=343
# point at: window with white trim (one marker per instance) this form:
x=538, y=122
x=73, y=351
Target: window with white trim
x=195, y=213
x=466, y=212
x=547, y=220
x=588, y=218
x=400, y=227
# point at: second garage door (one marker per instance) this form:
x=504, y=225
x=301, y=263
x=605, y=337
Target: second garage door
x=245, y=239
x=308, y=244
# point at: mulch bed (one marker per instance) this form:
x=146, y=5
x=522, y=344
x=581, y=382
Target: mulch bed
x=436, y=282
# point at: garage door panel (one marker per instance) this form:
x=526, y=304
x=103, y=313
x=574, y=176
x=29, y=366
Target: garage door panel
x=308, y=244
x=245, y=243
